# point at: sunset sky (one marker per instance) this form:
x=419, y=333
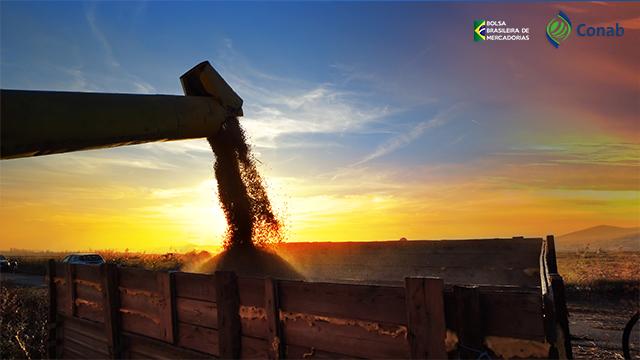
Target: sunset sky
x=372, y=121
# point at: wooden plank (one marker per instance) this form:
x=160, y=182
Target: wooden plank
x=140, y=323
x=61, y=269
x=306, y=352
x=463, y=245
x=546, y=293
x=195, y=286
x=196, y=312
x=253, y=322
x=89, y=328
x=99, y=345
x=251, y=291
x=198, y=338
x=523, y=320
x=552, y=263
x=228, y=304
x=167, y=308
x=74, y=349
x=71, y=289
x=52, y=322
x=111, y=304
x=137, y=279
x=562, y=317
x=90, y=273
x=469, y=322
x=92, y=332
x=79, y=345
x=149, y=303
x=351, y=338
x=365, y=302
x=146, y=348
x=274, y=328
x=61, y=292
x=253, y=348
x=87, y=292
x=425, y=318
x=89, y=310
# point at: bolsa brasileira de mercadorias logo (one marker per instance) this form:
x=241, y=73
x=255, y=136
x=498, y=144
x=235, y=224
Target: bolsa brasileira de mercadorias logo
x=498, y=30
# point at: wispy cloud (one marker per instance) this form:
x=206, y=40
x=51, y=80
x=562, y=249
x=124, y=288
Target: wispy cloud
x=277, y=107
x=400, y=140
x=118, y=74
x=320, y=110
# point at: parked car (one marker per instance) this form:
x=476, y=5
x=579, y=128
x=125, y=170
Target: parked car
x=7, y=265
x=83, y=259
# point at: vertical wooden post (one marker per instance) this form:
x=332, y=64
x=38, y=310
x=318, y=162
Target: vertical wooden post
x=272, y=306
x=469, y=321
x=426, y=329
x=166, y=282
x=228, y=303
x=551, y=255
x=111, y=305
x=70, y=277
x=52, y=323
x=562, y=317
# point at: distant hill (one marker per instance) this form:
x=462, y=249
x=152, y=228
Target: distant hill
x=604, y=237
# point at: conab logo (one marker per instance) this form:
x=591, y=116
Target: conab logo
x=559, y=28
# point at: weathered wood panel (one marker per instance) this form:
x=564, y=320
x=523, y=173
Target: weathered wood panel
x=469, y=321
x=195, y=286
x=88, y=273
x=196, y=312
x=348, y=337
x=75, y=349
x=97, y=344
x=141, y=323
x=111, y=306
x=494, y=261
x=251, y=291
x=70, y=274
x=140, y=347
x=89, y=310
x=52, y=311
x=198, y=338
x=61, y=294
x=89, y=292
x=141, y=301
x=309, y=352
x=252, y=348
x=366, y=302
x=426, y=327
x=274, y=325
x=228, y=305
x=89, y=328
x=512, y=314
x=253, y=322
x=138, y=279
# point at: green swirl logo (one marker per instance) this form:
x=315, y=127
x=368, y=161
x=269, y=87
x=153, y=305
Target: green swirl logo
x=558, y=29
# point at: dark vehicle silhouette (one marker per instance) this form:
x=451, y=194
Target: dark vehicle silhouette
x=7, y=265
x=83, y=259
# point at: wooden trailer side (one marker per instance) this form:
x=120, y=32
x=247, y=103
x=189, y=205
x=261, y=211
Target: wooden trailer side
x=556, y=315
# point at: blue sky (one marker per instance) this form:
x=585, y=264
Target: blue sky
x=345, y=103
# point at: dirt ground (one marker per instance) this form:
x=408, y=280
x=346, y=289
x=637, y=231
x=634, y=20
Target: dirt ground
x=596, y=327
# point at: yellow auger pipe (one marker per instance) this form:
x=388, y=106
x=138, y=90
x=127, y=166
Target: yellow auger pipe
x=47, y=122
